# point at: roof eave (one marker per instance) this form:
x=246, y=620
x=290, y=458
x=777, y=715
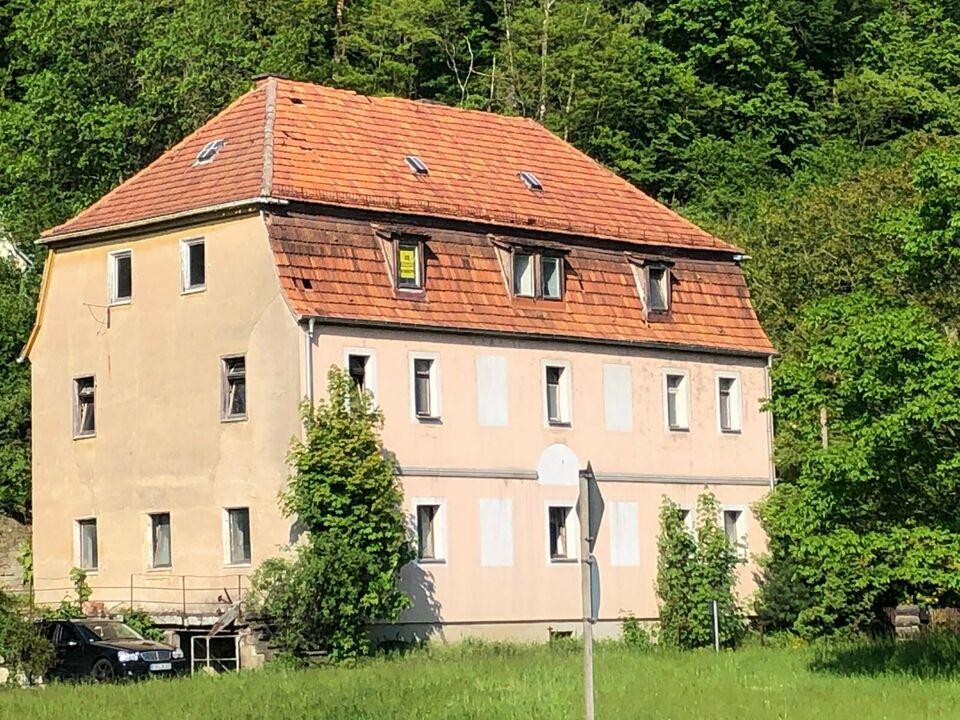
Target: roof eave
x=644, y=344
x=160, y=221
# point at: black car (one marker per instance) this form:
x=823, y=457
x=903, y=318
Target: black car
x=104, y=650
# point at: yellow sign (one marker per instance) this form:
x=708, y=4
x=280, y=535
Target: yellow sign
x=408, y=264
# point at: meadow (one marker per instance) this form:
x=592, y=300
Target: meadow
x=494, y=682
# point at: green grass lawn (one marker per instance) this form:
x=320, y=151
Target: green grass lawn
x=494, y=681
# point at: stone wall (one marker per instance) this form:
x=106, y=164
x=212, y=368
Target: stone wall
x=12, y=533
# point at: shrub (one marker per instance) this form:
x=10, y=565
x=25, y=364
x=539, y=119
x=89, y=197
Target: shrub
x=345, y=494
x=24, y=650
x=634, y=634
x=142, y=622
x=691, y=573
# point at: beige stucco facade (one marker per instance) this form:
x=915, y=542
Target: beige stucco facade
x=161, y=446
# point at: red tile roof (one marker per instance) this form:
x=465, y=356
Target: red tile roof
x=343, y=262
x=296, y=141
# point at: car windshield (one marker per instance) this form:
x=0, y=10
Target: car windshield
x=94, y=631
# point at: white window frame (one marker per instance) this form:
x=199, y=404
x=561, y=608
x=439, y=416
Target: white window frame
x=370, y=369
x=436, y=410
x=419, y=267
x=439, y=529
x=573, y=532
x=532, y=269
x=683, y=404
x=112, y=288
x=566, y=393
x=742, y=542
x=185, y=287
x=149, y=515
x=225, y=525
x=75, y=400
x=78, y=544
x=736, y=403
x=689, y=520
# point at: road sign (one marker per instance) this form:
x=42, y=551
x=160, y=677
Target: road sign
x=595, y=507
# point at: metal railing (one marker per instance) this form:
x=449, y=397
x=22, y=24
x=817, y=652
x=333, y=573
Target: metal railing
x=154, y=593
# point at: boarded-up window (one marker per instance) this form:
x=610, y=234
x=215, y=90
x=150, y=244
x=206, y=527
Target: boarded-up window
x=492, y=390
x=624, y=534
x=496, y=532
x=617, y=398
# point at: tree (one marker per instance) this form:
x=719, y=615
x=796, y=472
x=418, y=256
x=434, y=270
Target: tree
x=870, y=519
x=344, y=493
x=694, y=572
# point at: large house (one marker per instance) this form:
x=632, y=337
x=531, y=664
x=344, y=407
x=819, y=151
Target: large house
x=515, y=309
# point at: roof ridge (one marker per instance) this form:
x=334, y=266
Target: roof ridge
x=116, y=188
x=269, y=122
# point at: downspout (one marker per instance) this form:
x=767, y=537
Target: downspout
x=768, y=389
x=308, y=355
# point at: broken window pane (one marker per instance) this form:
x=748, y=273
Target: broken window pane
x=160, y=534
x=357, y=367
x=84, y=406
x=238, y=520
x=88, y=544
x=426, y=531
x=234, y=388
x=559, y=547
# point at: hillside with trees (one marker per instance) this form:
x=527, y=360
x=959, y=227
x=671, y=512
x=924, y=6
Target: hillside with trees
x=819, y=135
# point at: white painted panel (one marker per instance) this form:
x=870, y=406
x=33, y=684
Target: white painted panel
x=496, y=532
x=492, y=390
x=558, y=465
x=624, y=534
x=617, y=398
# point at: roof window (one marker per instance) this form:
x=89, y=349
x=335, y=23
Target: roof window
x=209, y=152
x=418, y=166
x=530, y=180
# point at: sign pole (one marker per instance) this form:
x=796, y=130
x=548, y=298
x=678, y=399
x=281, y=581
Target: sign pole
x=585, y=560
x=716, y=626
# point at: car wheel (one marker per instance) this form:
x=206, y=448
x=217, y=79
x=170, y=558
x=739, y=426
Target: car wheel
x=102, y=671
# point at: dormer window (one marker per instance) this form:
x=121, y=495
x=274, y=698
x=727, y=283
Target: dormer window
x=537, y=274
x=658, y=288
x=409, y=264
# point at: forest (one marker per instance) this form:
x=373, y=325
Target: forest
x=819, y=135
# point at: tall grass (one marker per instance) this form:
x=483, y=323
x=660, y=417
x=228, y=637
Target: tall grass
x=499, y=681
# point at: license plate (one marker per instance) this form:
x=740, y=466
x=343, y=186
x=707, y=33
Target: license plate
x=155, y=667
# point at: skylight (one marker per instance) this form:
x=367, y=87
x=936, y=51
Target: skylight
x=418, y=166
x=209, y=152
x=530, y=180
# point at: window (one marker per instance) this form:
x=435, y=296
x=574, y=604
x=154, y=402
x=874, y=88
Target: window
x=425, y=387
x=234, y=388
x=409, y=264
x=530, y=180
x=658, y=288
x=238, y=536
x=537, y=275
x=551, y=277
x=87, y=544
x=120, y=271
x=84, y=417
x=675, y=392
x=209, y=152
x=429, y=519
x=557, y=393
x=160, y=540
x=562, y=533
x=418, y=166
x=193, y=272
x=733, y=528
x=728, y=403
x=689, y=521
x=357, y=367
x=523, y=285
